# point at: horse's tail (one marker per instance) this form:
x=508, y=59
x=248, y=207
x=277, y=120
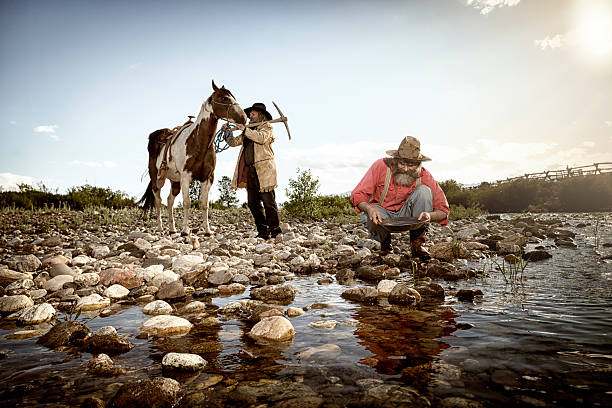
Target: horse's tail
x=148, y=198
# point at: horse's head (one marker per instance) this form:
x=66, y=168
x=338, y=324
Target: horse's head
x=224, y=105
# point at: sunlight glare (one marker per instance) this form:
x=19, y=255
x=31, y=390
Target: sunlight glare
x=594, y=29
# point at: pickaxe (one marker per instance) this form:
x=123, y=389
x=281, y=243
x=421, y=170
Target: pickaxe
x=282, y=118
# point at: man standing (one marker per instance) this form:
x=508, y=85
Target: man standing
x=398, y=186
x=256, y=170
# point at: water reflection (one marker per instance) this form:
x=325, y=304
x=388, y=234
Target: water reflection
x=403, y=341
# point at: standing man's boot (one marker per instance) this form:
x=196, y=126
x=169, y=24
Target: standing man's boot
x=417, y=239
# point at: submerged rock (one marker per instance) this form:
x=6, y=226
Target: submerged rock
x=103, y=365
x=159, y=392
x=110, y=343
x=68, y=333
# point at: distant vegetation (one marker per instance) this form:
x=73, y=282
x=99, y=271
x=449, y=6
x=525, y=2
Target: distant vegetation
x=77, y=198
x=573, y=194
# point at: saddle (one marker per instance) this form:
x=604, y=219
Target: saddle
x=167, y=140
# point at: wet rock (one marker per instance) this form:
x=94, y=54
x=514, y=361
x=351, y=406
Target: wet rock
x=57, y=283
x=106, y=330
x=61, y=269
x=324, y=324
x=103, y=365
x=231, y=289
x=157, y=307
x=116, y=292
x=92, y=302
x=183, y=362
x=363, y=294
x=23, y=263
x=325, y=351
x=430, y=292
x=565, y=243
x=376, y=273
x=275, y=328
x=69, y=333
x=281, y=293
x=156, y=392
x=448, y=250
x=165, y=325
x=475, y=246
x=34, y=314
x=467, y=233
x=459, y=402
x=9, y=304
x=345, y=275
x=509, y=244
x=468, y=294
x=125, y=277
x=440, y=269
x=108, y=343
x=390, y=395
x=294, y=311
x=8, y=276
x=171, y=291
x=263, y=311
x=404, y=294
x=194, y=307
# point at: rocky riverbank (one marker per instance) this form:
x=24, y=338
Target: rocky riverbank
x=57, y=268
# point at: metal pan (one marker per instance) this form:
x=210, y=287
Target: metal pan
x=402, y=224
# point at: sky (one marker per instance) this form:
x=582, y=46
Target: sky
x=492, y=88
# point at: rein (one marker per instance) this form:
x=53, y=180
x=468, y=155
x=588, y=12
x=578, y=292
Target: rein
x=223, y=135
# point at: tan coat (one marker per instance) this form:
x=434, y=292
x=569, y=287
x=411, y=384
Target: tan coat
x=263, y=137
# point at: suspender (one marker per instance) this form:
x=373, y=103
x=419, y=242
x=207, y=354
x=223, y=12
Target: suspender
x=386, y=188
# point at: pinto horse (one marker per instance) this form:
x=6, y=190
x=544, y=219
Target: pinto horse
x=190, y=156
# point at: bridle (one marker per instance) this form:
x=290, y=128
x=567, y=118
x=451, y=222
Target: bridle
x=223, y=135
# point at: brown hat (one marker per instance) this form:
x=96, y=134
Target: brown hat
x=409, y=148
x=258, y=106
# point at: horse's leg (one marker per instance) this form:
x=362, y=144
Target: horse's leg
x=175, y=187
x=204, y=190
x=185, y=181
x=157, y=201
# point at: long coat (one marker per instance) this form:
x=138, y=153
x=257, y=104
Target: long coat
x=263, y=136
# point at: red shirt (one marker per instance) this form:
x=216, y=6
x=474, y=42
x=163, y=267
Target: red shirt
x=372, y=184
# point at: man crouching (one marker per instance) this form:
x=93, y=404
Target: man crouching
x=398, y=186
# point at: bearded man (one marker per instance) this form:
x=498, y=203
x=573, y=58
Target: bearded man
x=398, y=186
x=256, y=170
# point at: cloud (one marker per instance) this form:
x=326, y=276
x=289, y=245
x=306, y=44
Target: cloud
x=557, y=41
x=93, y=163
x=9, y=181
x=487, y=6
x=608, y=123
x=588, y=143
x=47, y=129
x=12, y=122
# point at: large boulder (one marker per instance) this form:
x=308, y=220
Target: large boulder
x=183, y=362
x=363, y=294
x=69, y=333
x=9, y=304
x=23, y=263
x=34, y=314
x=281, y=293
x=404, y=294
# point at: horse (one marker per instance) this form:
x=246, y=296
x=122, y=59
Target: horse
x=190, y=156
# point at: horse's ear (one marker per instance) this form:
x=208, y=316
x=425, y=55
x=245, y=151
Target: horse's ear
x=215, y=88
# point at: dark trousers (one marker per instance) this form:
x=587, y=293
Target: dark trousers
x=267, y=221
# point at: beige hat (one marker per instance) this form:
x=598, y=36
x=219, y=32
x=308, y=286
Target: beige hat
x=409, y=148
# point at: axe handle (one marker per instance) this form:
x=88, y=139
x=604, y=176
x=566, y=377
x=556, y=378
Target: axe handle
x=254, y=124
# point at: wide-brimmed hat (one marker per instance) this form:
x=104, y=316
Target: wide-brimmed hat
x=258, y=106
x=410, y=149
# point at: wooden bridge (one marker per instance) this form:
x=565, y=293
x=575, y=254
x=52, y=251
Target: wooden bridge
x=553, y=175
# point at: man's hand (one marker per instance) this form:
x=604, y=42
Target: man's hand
x=424, y=216
x=240, y=126
x=373, y=215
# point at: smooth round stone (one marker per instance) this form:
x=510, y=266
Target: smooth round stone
x=275, y=328
x=194, y=307
x=61, y=269
x=157, y=307
x=14, y=303
x=52, y=260
x=57, y=283
x=93, y=302
x=35, y=314
x=183, y=362
x=116, y=291
x=294, y=311
x=80, y=260
x=165, y=325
